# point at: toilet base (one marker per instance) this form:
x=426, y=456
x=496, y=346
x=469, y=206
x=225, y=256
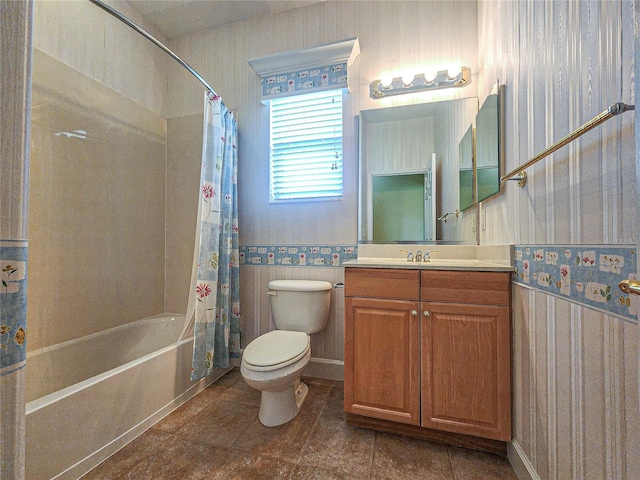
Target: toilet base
x=282, y=406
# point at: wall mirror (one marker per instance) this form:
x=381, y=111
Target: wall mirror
x=465, y=170
x=409, y=173
x=488, y=149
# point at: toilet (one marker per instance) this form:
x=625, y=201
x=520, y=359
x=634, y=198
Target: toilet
x=273, y=362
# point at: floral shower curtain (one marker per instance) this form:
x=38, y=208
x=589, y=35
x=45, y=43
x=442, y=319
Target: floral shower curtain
x=214, y=299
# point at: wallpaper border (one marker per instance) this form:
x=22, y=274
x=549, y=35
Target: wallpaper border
x=584, y=274
x=13, y=305
x=297, y=255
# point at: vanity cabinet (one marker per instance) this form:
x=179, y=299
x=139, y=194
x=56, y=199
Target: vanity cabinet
x=382, y=344
x=429, y=349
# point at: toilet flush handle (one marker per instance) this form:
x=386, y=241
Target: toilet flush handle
x=273, y=293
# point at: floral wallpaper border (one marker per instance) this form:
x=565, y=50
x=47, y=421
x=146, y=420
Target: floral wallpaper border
x=297, y=255
x=583, y=274
x=308, y=80
x=13, y=305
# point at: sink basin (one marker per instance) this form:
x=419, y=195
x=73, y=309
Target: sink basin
x=403, y=262
x=435, y=263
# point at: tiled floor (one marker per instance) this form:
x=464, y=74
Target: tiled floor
x=217, y=434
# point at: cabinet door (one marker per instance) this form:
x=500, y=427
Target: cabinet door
x=382, y=359
x=466, y=386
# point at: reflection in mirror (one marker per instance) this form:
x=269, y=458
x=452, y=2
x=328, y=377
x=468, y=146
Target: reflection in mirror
x=398, y=207
x=487, y=148
x=465, y=170
x=403, y=147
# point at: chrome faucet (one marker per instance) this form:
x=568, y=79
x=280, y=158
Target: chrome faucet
x=427, y=255
x=409, y=255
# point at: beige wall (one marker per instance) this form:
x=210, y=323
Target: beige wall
x=97, y=205
x=575, y=369
x=393, y=36
x=91, y=41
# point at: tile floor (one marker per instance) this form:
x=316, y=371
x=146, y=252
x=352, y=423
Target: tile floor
x=217, y=434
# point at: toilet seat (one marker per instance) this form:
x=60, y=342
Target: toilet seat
x=275, y=349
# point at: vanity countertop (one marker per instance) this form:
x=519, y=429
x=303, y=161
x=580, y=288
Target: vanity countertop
x=434, y=264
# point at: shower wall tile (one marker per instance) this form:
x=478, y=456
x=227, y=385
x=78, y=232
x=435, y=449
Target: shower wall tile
x=93, y=42
x=97, y=207
x=184, y=153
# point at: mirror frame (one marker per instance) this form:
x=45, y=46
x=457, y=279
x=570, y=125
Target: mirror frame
x=492, y=135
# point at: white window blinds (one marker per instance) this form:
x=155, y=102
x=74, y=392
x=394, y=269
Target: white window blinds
x=306, y=146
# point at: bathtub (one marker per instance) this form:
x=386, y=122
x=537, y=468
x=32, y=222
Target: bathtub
x=89, y=397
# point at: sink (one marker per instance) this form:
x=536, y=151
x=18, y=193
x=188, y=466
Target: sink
x=435, y=263
x=403, y=261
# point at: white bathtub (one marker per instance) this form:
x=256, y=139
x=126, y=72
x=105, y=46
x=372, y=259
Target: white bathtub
x=89, y=397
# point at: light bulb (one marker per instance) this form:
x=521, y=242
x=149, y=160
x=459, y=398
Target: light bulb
x=430, y=75
x=454, y=71
x=386, y=81
x=407, y=79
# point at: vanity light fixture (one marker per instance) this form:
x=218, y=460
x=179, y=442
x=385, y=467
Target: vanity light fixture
x=385, y=87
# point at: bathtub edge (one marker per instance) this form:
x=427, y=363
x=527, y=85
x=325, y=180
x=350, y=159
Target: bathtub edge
x=93, y=460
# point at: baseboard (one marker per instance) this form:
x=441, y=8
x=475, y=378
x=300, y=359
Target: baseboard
x=97, y=457
x=325, y=368
x=520, y=462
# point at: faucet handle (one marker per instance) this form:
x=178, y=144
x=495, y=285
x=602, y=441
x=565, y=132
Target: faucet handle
x=427, y=255
x=409, y=254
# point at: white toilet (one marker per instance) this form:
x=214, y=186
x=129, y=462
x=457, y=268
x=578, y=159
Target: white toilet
x=273, y=362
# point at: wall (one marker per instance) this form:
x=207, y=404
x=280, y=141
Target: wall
x=393, y=36
x=16, y=21
x=575, y=369
x=97, y=206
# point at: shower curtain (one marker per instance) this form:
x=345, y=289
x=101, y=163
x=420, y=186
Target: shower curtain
x=214, y=299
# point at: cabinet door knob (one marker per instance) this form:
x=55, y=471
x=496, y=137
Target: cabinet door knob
x=426, y=313
x=414, y=313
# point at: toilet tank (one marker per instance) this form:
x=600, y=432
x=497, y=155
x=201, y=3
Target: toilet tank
x=300, y=305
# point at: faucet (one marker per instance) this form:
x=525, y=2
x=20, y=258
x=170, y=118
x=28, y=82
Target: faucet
x=427, y=255
x=409, y=255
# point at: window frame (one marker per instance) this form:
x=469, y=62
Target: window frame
x=307, y=196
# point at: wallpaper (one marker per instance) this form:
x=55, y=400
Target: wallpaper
x=583, y=274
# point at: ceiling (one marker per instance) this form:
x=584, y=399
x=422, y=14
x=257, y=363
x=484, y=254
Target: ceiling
x=180, y=17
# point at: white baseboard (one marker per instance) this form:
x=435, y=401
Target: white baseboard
x=520, y=462
x=325, y=368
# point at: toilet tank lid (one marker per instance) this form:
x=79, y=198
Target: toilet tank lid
x=299, y=285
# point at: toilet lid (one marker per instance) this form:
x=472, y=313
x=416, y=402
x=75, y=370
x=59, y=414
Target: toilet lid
x=276, y=349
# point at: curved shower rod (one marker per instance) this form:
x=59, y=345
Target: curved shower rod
x=154, y=40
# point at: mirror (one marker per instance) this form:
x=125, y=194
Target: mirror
x=409, y=159
x=465, y=170
x=488, y=147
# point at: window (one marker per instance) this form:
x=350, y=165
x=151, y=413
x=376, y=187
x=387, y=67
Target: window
x=306, y=147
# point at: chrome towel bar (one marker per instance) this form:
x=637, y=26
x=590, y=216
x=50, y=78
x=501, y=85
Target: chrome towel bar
x=519, y=173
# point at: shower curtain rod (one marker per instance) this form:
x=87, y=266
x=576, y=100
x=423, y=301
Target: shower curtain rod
x=150, y=37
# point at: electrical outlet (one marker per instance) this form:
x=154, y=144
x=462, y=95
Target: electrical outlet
x=483, y=223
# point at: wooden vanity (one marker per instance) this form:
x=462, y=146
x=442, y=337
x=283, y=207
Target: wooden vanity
x=427, y=354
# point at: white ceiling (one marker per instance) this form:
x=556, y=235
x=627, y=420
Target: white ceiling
x=180, y=17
